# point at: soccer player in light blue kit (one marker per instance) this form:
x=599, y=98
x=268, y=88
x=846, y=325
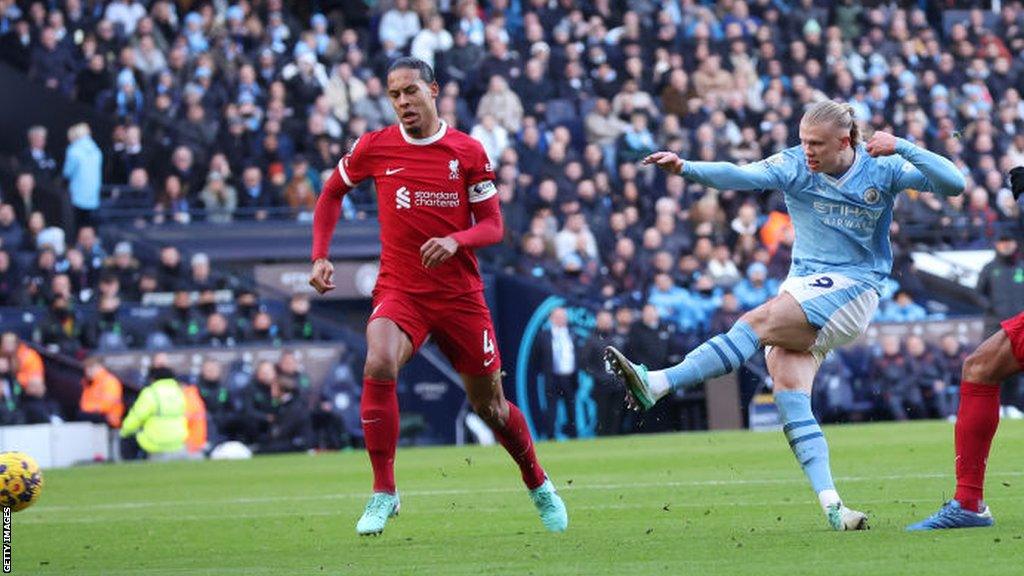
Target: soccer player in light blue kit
x=840, y=196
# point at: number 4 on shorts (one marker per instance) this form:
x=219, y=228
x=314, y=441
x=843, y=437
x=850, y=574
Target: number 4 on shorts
x=488, y=343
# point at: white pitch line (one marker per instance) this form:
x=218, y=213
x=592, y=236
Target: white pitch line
x=703, y=505
x=460, y=491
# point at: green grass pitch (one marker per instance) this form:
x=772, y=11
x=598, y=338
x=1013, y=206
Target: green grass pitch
x=706, y=504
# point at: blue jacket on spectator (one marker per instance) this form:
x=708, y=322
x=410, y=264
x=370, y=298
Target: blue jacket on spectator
x=83, y=167
x=893, y=312
x=752, y=296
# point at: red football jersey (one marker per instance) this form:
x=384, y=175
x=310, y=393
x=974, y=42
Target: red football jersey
x=424, y=190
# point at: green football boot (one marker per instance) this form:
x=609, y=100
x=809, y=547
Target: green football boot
x=381, y=506
x=633, y=375
x=550, y=506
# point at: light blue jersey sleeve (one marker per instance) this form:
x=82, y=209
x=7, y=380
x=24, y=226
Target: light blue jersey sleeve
x=768, y=174
x=924, y=170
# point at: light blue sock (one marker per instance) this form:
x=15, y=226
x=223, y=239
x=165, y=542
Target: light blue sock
x=807, y=442
x=720, y=355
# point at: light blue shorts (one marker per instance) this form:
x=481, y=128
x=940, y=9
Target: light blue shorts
x=840, y=307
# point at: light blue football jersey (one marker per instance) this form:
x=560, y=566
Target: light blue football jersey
x=841, y=224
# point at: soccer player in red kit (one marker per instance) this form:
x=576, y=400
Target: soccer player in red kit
x=998, y=358
x=436, y=202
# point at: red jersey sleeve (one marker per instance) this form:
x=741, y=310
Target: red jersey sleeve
x=356, y=166
x=479, y=174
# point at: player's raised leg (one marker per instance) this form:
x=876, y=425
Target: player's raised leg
x=998, y=358
x=388, y=348
x=793, y=376
x=778, y=321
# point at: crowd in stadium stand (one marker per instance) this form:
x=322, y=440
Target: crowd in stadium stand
x=254, y=102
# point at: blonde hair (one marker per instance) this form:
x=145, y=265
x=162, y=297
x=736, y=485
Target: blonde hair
x=837, y=114
x=78, y=131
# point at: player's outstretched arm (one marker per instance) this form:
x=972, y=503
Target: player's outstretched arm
x=721, y=175
x=487, y=229
x=933, y=172
x=325, y=219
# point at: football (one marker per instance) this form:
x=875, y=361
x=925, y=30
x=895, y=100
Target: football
x=21, y=481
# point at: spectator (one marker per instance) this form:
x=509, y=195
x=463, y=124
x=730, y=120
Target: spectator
x=156, y=425
x=556, y=351
x=399, y=25
x=1001, y=283
x=218, y=332
x=336, y=413
x=11, y=231
x=172, y=206
x=107, y=330
x=125, y=14
x=102, y=395
x=35, y=158
x=195, y=416
x=722, y=269
x=891, y=374
x=63, y=330
x=10, y=282
x=171, y=272
x=216, y=401
x=26, y=198
x=671, y=302
x=727, y=315
x=502, y=103
x=493, y=136
x=756, y=288
x=290, y=427
x=219, y=199
x=299, y=326
x=263, y=330
x=200, y=278
x=83, y=167
x=288, y=369
x=123, y=266
x=52, y=63
x=182, y=323
x=256, y=198
x=901, y=308
x=259, y=408
x=375, y=107
x=431, y=40
x=607, y=392
x=16, y=45
x=926, y=371
x=10, y=395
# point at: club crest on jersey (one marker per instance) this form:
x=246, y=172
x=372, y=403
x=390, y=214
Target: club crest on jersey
x=402, y=198
x=872, y=196
x=453, y=170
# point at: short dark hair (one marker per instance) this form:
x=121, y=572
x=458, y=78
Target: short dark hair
x=410, y=63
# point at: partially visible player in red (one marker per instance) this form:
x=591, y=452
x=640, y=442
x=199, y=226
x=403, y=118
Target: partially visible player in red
x=999, y=357
x=436, y=203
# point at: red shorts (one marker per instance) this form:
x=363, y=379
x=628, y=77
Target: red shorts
x=1014, y=328
x=461, y=326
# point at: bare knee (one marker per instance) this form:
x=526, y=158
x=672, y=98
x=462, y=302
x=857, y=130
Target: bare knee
x=979, y=367
x=381, y=366
x=493, y=411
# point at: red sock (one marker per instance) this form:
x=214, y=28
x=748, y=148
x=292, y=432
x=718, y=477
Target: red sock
x=515, y=437
x=378, y=410
x=976, y=424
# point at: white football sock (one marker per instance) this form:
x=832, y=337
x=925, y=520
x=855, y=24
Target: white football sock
x=658, y=383
x=828, y=498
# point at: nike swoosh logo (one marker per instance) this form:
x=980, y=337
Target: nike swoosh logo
x=391, y=171
x=488, y=362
